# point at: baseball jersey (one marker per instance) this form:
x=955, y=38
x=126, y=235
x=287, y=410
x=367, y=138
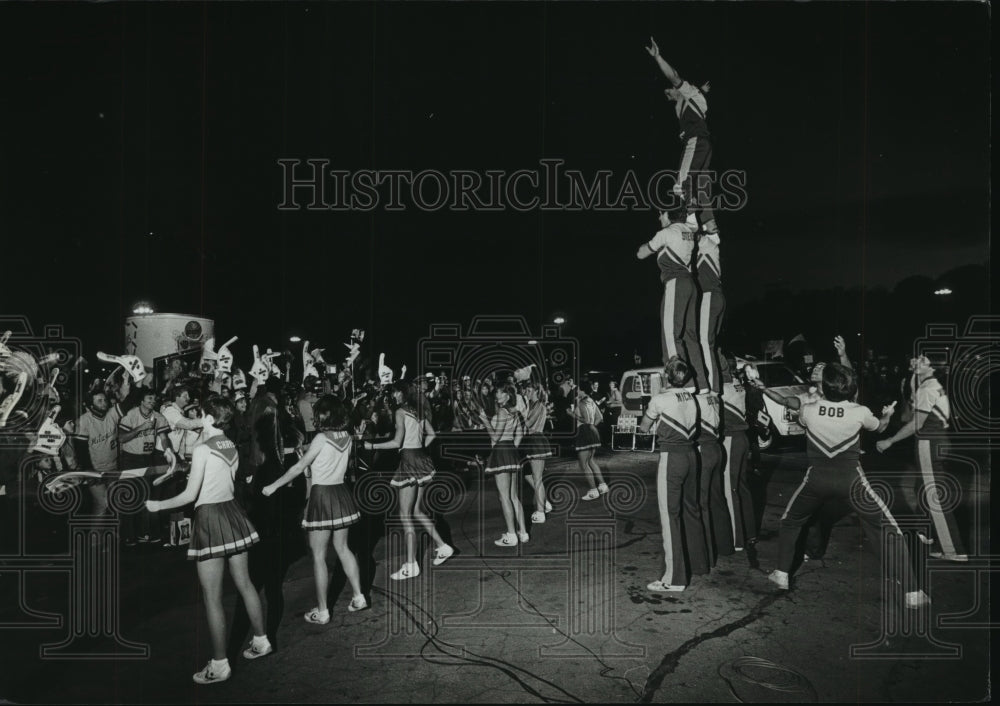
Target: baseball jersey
x=708, y=416
x=101, y=434
x=932, y=400
x=330, y=465
x=692, y=107
x=220, y=470
x=678, y=415
x=145, y=443
x=734, y=407
x=709, y=264
x=675, y=245
x=833, y=432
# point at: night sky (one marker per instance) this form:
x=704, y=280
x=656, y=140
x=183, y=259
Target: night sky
x=862, y=128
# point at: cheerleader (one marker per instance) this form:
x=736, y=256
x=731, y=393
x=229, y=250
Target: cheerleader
x=331, y=507
x=506, y=429
x=413, y=433
x=535, y=447
x=588, y=440
x=220, y=533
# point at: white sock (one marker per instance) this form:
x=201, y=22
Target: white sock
x=220, y=662
x=261, y=640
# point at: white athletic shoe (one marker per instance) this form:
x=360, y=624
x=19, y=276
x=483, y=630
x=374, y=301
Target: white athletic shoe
x=507, y=539
x=661, y=587
x=258, y=648
x=406, y=571
x=213, y=674
x=592, y=494
x=524, y=537
x=537, y=517
x=602, y=489
x=917, y=599
x=779, y=579
x=949, y=557
x=357, y=603
x=443, y=554
x=548, y=506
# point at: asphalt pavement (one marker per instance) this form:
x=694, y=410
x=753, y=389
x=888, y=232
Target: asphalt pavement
x=564, y=618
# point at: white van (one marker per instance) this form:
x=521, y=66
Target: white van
x=637, y=387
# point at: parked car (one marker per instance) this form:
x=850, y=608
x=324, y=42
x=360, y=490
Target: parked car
x=777, y=376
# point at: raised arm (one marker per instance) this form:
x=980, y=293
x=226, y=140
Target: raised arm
x=667, y=69
x=841, y=347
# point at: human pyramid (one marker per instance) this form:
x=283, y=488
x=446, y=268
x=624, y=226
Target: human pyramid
x=705, y=506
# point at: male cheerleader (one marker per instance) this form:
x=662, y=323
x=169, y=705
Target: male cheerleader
x=691, y=107
x=930, y=420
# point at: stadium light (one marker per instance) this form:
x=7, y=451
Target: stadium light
x=142, y=308
x=559, y=320
x=943, y=291
x=295, y=339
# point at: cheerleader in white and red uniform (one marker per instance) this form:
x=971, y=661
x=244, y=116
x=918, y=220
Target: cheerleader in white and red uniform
x=220, y=534
x=413, y=433
x=535, y=447
x=588, y=440
x=331, y=507
x=506, y=429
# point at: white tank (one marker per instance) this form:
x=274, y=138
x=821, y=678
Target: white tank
x=150, y=336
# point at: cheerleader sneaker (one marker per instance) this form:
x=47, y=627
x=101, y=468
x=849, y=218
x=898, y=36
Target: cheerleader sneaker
x=917, y=599
x=524, y=537
x=779, y=579
x=538, y=517
x=602, y=488
x=216, y=671
x=962, y=558
x=317, y=616
x=357, y=603
x=443, y=554
x=548, y=506
x=260, y=646
x=592, y=494
x=661, y=587
x=406, y=571
x=507, y=539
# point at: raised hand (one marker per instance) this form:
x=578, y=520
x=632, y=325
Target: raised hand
x=653, y=49
x=50, y=435
x=384, y=371
x=840, y=345
x=133, y=366
x=269, y=357
x=889, y=409
x=225, y=362
x=308, y=366
x=260, y=371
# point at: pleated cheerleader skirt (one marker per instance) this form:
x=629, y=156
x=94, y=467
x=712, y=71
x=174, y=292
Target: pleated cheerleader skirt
x=505, y=458
x=415, y=468
x=535, y=446
x=330, y=507
x=587, y=437
x=220, y=530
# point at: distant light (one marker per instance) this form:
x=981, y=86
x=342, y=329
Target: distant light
x=295, y=339
x=942, y=291
x=532, y=342
x=559, y=320
x=142, y=308
x=86, y=370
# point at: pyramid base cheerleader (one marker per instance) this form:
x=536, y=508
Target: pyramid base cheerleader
x=331, y=508
x=220, y=534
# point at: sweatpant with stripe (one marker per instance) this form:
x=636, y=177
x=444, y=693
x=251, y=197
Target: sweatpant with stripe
x=695, y=179
x=932, y=473
x=712, y=499
x=678, y=325
x=738, y=496
x=822, y=485
x=680, y=516
x=710, y=311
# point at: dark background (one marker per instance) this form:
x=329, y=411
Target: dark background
x=863, y=128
